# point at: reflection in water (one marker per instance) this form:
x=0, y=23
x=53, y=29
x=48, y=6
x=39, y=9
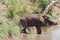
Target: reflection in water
x=37, y=37
x=48, y=33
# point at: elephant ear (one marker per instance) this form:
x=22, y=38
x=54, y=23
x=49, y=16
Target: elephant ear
x=41, y=19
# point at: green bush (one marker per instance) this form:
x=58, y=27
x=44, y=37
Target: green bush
x=3, y=27
x=14, y=29
x=15, y=7
x=44, y=3
x=40, y=6
x=11, y=12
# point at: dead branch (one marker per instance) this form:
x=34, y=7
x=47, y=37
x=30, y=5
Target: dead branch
x=49, y=7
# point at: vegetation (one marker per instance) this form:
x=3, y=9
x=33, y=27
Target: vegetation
x=18, y=7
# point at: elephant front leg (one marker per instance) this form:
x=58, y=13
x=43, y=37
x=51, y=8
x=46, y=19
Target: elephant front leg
x=38, y=30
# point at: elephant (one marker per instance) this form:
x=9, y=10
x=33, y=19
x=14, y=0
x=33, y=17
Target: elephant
x=35, y=20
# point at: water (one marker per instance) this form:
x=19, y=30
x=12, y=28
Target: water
x=48, y=33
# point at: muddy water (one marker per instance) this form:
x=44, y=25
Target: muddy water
x=48, y=33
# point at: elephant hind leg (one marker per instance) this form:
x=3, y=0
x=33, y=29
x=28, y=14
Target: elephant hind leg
x=24, y=24
x=23, y=31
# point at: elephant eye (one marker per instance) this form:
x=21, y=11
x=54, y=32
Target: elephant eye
x=45, y=17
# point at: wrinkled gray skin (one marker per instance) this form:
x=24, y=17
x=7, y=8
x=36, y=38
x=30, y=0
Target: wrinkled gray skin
x=37, y=20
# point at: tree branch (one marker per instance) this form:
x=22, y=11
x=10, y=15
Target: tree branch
x=49, y=7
